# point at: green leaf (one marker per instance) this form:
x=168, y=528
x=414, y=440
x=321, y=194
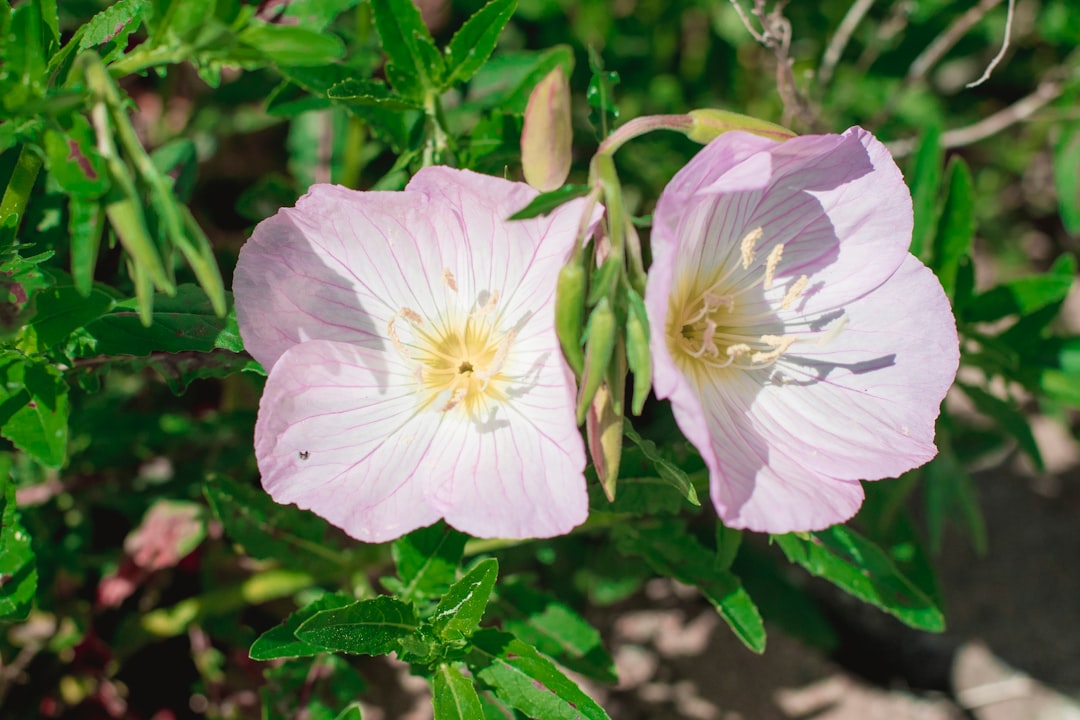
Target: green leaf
x=925, y=179
x=728, y=542
x=415, y=66
x=671, y=551
x=34, y=408
x=553, y=628
x=50, y=17
x=601, y=94
x=544, y=203
x=861, y=568
x=505, y=82
x=352, y=712
x=291, y=44
x=317, y=14
x=427, y=561
x=266, y=530
x=1024, y=295
x=369, y=93
x=369, y=627
x=459, y=612
x=281, y=641
x=20, y=281
x=24, y=60
x=1067, y=176
x=184, y=322
x=473, y=43
x=86, y=224
x=951, y=496
x=956, y=228
x=527, y=681
x=74, y=162
x=118, y=20
x=1008, y=417
x=62, y=309
x=178, y=158
x=669, y=472
x=18, y=567
x=310, y=688
x=454, y=697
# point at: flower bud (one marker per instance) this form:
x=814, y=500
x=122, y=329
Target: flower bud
x=600, y=336
x=547, y=135
x=604, y=430
x=708, y=124
x=569, y=313
x=637, y=349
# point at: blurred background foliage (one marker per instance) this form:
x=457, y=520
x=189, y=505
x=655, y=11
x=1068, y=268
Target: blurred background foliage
x=142, y=559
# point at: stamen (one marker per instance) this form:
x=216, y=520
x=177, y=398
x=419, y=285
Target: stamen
x=794, y=292
x=833, y=332
x=448, y=278
x=746, y=246
x=771, y=262
x=779, y=345
x=493, y=369
x=493, y=300
x=455, y=398
x=394, y=337
x=411, y=315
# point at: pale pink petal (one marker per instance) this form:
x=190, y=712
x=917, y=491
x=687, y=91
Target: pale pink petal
x=336, y=437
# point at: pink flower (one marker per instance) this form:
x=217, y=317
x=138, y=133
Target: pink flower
x=802, y=347
x=414, y=370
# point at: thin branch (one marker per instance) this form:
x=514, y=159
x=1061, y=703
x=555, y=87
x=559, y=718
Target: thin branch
x=746, y=22
x=839, y=42
x=1001, y=53
x=1048, y=91
x=945, y=41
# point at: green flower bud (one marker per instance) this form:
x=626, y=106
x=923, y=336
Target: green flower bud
x=709, y=124
x=547, y=135
x=600, y=336
x=637, y=349
x=569, y=313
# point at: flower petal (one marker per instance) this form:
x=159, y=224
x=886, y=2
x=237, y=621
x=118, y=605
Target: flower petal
x=338, y=433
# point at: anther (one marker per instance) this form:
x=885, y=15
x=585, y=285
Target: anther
x=771, y=262
x=448, y=278
x=411, y=315
x=497, y=362
x=794, y=292
x=455, y=398
x=746, y=246
x=394, y=336
x=779, y=345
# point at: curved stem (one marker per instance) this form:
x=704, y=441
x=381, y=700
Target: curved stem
x=21, y=184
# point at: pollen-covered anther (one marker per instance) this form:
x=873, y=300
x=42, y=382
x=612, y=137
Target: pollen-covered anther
x=746, y=246
x=779, y=345
x=771, y=263
x=456, y=397
x=794, y=292
x=498, y=361
x=448, y=279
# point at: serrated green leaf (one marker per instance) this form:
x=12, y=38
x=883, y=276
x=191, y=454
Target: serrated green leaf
x=956, y=228
x=281, y=641
x=473, y=43
x=291, y=44
x=459, y=612
x=453, y=695
x=427, y=561
x=317, y=14
x=1067, y=176
x=669, y=472
x=18, y=567
x=369, y=627
x=861, y=568
x=184, y=322
x=527, y=681
x=119, y=19
x=674, y=553
x=1024, y=295
x=415, y=66
x=544, y=203
x=1008, y=417
x=34, y=408
x=925, y=179
x=20, y=281
x=369, y=93
x=62, y=309
x=267, y=530
x=554, y=629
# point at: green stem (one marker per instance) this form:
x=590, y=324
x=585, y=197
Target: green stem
x=640, y=126
x=21, y=184
x=140, y=60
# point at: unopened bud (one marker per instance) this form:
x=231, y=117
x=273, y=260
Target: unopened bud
x=709, y=124
x=637, y=349
x=604, y=431
x=600, y=336
x=569, y=313
x=547, y=135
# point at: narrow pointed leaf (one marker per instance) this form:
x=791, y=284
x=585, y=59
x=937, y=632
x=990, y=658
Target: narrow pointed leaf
x=458, y=613
x=454, y=697
x=546, y=202
x=369, y=627
x=281, y=641
x=473, y=42
x=427, y=561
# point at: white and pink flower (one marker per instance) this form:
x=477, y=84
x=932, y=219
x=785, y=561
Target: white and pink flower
x=802, y=347
x=414, y=370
